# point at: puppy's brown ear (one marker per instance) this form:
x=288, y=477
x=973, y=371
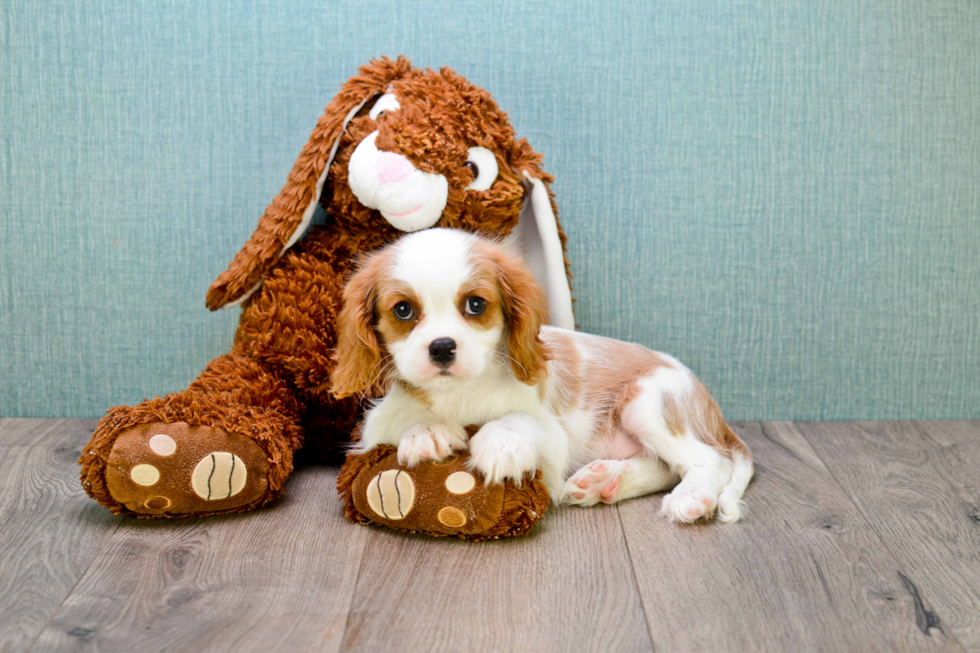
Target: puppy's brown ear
x=540, y=236
x=358, y=354
x=525, y=309
x=286, y=219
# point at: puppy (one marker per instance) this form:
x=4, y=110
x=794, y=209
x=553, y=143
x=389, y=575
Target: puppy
x=449, y=325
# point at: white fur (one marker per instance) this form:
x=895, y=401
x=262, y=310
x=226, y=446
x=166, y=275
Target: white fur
x=521, y=427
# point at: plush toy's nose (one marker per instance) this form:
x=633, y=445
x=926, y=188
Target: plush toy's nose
x=392, y=167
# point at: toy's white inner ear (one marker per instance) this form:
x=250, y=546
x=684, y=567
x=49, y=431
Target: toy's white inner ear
x=536, y=236
x=387, y=102
x=408, y=198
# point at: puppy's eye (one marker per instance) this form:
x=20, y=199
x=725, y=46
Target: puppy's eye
x=387, y=102
x=483, y=164
x=403, y=311
x=475, y=305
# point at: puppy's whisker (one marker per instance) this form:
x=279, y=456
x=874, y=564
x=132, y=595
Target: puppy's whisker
x=504, y=358
x=386, y=366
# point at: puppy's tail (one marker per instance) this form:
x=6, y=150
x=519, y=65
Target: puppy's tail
x=730, y=504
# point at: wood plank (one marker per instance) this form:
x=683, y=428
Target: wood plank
x=566, y=586
x=23, y=431
x=949, y=432
x=275, y=579
x=52, y=532
x=801, y=571
x=901, y=483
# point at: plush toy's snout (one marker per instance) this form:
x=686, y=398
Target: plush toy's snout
x=406, y=197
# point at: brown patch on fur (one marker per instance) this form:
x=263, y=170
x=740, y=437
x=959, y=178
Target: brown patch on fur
x=565, y=382
x=672, y=414
x=390, y=294
x=608, y=375
x=482, y=284
x=698, y=413
x=615, y=374
x=523, y=305
x=709, y=425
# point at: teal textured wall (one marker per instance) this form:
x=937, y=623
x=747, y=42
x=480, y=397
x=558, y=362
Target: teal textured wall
x=785, y=195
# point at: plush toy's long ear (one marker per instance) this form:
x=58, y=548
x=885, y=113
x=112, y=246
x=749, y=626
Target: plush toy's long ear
x=539, y=236
x=286, y=219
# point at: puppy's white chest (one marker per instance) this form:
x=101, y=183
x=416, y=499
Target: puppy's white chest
x=479, y=403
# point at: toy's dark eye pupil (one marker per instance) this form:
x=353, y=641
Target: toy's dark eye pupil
x=403, y=310
x=475, y=305
x=380, y=113
x=475, y=169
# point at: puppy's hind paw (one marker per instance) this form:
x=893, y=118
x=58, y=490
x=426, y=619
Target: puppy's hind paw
x=597, y=481
x=686, y=505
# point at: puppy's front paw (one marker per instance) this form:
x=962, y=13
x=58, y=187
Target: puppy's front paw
x=430, y=442
x=500, y=453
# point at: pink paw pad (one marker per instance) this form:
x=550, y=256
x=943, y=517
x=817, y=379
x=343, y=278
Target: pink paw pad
x=597, y=481
x=609, y=492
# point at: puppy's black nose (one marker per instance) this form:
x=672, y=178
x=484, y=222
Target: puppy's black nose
x=442, y=350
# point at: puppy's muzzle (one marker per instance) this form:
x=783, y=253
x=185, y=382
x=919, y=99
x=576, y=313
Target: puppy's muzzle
x=442, y=351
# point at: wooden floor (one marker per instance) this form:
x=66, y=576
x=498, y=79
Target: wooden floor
x=859, y=537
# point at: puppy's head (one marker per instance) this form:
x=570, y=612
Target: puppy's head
x=436, y=308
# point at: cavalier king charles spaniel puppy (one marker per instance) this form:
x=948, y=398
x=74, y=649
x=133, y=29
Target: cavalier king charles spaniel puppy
x=449, y=326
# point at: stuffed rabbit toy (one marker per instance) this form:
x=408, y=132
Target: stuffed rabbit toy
x=399, y=149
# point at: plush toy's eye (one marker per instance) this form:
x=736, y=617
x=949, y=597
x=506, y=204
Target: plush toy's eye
x=483, y=164
x=403, y=311
x=475, y=305
x=385, y=103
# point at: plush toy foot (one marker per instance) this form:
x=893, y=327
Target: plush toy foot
x=172, y=470
x=438, y=499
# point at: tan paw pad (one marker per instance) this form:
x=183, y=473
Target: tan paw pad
x=162, y=444
x=452, y=517
x=460, y=482
x=157, y=503
x=145, y=475
x=219, y=475
x=391, y=494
